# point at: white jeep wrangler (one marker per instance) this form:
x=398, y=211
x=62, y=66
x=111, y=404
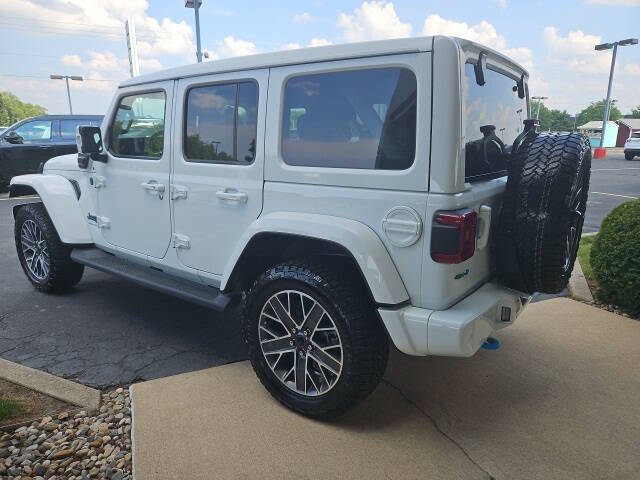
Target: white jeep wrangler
x=349, y=196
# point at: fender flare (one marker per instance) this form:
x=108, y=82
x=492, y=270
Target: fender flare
x=60, y=201
x=365, y=246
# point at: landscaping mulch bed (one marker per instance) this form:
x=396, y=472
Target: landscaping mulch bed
x=72, y=444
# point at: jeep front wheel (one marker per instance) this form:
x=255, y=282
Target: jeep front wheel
x=314, y=340
x=44, y=258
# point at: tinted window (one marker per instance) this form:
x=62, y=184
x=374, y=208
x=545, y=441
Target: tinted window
x=494, y=104
x=355, y=119
x=68, y=128
x=221, y=123
x=138, y=127
x=34, y=131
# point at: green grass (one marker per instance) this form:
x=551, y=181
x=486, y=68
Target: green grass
x=584, y=256
x=9, y=408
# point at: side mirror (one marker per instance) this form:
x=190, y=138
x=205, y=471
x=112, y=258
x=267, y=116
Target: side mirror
x=89, y=142
x=13, y=137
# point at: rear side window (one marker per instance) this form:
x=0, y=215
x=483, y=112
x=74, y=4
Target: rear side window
x=220, y=123
x=138, y=127
x=354, y=119
x=68, y=128
x=493, y=115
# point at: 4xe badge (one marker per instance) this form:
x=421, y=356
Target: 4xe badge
x=462, y=274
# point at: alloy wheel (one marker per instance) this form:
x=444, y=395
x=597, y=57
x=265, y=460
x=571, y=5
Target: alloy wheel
x=300, y=342
x=35, y=250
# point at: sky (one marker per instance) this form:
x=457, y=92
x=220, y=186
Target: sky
x=554, y=40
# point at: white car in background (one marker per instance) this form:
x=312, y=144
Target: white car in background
x=632, y=146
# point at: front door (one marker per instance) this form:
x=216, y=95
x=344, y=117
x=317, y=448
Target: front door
x=133, y=185
x=218, y=165
x=35, y=147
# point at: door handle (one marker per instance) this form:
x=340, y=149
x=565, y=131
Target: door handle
x=154, y=186
x=232, y=195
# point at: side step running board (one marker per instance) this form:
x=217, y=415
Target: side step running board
x=210, y=297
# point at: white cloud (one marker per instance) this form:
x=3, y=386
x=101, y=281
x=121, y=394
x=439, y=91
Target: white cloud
x=319, y=42
x=483, y=32
x=373, y=20
x=576, y=51
x=233, y=47
x=71, y=60
x=632, y=69
x=501, y=3
x=303, y=18
x=617, y=3
x=290, y=46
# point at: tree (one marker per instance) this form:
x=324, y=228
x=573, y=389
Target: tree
x=635, y=113
x=554, y=120
x=595, y=111
x=13, y=110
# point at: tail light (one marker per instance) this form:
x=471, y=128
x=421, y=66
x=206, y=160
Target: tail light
x=453, y=236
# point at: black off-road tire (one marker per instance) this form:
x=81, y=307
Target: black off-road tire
x=543, y=212
x=343, y=296
x=628, y=156
x=63, y=272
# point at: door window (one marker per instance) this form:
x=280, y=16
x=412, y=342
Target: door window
x=351, y=119
x=220, y=123
x=137, y=129
x=68, y=128
x=35, y=131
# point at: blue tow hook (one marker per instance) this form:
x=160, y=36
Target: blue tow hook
x=491, y=344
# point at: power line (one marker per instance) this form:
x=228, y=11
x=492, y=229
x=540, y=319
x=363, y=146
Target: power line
x=42, y=76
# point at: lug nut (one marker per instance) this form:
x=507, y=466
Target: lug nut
x=291, y=342
x=309, y=347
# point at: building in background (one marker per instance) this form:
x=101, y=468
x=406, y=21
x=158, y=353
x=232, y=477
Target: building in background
x=626, y=128
x=593, y=130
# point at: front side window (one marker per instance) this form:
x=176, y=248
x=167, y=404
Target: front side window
x=351, y=119
x=68, y=128
x=138, y=127
x=35, y=131
x=220, y=123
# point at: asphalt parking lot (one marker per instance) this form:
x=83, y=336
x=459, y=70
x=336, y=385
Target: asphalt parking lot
x=107, y=332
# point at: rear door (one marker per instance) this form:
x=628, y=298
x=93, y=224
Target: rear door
x=133, y=193
x=37, y=146
x=218, y=164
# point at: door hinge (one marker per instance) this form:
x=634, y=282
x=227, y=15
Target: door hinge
x=181, y=241
x=103, y=222
x=98, y=182
x=178, y=191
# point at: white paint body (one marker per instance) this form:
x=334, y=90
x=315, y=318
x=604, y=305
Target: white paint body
x=427, y=307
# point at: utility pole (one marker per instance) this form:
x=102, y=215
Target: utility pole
x=196, y=4
x=539, y=101
x=132, y=47
x=78, y=78
x=607, y=106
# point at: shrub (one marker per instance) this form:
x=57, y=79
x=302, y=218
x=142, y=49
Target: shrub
x=615, y=257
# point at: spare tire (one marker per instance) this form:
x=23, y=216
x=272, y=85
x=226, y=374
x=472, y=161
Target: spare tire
x=542, y=212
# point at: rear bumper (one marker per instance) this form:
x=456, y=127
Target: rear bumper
x=458, y=331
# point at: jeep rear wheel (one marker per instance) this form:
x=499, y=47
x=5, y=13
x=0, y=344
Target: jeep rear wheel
x=44, y=258
x=314, y=340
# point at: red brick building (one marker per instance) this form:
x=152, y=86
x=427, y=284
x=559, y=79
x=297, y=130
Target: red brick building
x=626, y=126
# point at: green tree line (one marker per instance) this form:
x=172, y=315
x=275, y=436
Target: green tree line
x=13, y=110
x=561, y=120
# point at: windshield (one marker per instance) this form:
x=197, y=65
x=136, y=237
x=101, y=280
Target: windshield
x=492, y=118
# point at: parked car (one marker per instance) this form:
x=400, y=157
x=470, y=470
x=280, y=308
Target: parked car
x=632, y=146
x=28, y=144
x=349, y=196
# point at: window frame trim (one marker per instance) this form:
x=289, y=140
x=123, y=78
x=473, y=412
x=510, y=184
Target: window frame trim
x=235, y=120
x=115, y=112
x=38, y=140
x=398, y=66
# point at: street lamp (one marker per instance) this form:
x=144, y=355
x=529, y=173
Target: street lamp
x=78, y=78
x=601, y=152
x=539, y=101
x=196, y=6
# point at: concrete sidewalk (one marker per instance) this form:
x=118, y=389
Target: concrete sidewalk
x=558, y=400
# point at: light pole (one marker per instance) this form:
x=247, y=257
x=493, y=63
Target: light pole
x=78, y=78
x=196, y=4
x=607, y=106
x=539, y=101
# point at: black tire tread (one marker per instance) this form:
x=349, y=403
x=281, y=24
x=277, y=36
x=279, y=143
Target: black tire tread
x=63, y=272
x=345, y=293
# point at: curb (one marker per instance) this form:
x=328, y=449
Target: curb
x=55, y=387
x=578, y=286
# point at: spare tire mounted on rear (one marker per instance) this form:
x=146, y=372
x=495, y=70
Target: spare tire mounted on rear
x=543, y=210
